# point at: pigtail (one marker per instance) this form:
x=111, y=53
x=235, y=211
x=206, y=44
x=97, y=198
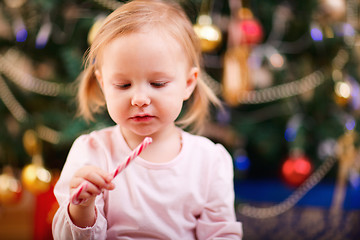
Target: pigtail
x=90, y=97
x=198, y=112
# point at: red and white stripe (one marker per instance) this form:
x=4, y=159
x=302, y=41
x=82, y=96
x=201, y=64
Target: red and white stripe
x=74, y=198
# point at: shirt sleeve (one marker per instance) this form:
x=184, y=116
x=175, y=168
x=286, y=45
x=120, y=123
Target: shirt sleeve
x=218, y=220
x=83, y=152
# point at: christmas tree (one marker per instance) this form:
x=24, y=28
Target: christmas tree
x=287, y=72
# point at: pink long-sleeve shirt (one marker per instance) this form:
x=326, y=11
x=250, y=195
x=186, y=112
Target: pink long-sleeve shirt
x=190, y=197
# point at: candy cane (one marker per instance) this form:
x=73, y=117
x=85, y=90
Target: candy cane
x=133, y=155
x=74, y=198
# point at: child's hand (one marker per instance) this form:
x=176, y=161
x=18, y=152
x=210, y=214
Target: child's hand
x=97, y=180
x=84, y=214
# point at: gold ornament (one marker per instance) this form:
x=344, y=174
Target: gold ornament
x=95, y=28
x=10, y=188
x=35, y=177
x=210, y=35
x=32, y=143
x=346, y=153
x=333, y=9
x=236, y=79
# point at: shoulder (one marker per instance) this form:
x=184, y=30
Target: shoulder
x=197, y=141
x=98, y=137
x=211, y=159
x=204, y=147
x=99, y=144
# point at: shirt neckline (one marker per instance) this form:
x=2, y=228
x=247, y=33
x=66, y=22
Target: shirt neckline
x=151, y=165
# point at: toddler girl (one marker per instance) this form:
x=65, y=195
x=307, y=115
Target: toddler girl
x=142, y=65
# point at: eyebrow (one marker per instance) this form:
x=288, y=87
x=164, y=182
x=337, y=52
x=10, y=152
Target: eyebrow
x=155, y=74
x=160, y=74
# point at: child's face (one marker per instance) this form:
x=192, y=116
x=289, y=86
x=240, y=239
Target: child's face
x=145, y=78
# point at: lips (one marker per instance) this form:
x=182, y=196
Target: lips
x=142, y=118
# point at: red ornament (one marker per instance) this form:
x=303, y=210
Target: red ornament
x=296, y=170
x=251, y=31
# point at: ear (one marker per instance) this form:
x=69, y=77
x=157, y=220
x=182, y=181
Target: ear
x=99, y=78
x=191, y=82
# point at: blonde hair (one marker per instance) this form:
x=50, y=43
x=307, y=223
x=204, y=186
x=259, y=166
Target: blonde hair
x=132, y=17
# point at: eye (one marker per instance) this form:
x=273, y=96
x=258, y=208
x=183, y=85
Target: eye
x=123, y=86
x=158, y=84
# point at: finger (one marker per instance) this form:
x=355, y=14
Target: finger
x=85, y=191
x=75, y=182
x=105, y=175
x=92, y=174
x=76, y=193
x=93, y=189
x=96, y=179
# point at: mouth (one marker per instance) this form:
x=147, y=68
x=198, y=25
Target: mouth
x=142, y=118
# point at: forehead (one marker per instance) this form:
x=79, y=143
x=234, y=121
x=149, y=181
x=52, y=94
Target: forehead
x=145, y=51
x=144, y=39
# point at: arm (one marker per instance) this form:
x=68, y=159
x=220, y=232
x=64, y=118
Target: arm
x=66, y=223
x=218, y=217
x=97, y=180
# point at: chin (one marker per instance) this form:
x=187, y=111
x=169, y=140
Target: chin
x=144, y=132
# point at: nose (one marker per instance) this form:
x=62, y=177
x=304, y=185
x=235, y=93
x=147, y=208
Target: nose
x=140, y=98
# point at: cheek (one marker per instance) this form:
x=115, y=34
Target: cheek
x=171, y=107
x=115, y=106
x=114, y=113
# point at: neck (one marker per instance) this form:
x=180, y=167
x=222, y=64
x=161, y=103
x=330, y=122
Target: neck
x=165, y=146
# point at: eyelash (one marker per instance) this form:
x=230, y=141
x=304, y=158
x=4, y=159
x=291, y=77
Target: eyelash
x=123, y=86
x=128, y=85
x=158, y=84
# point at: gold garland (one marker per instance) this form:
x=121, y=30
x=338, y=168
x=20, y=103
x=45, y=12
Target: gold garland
x=11, y=103
x=282, y=91
x=21, y=115
x=26, y=80
x=285, y=90
x=288, y=203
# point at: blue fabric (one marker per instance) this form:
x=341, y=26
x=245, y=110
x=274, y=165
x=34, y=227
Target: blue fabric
x=275, y=191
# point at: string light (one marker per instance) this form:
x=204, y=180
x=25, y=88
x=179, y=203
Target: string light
x=20, y=30
x=290, y=134
x=355, y=93
x=350, y=124
x=21, y=35
x=43, y=35
x=342, y=89
x=354, y=178
x=209, y=33
x=316, y=33
x=241, y=160
x=276, y=60
x=326, y=148
x=292, y=127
